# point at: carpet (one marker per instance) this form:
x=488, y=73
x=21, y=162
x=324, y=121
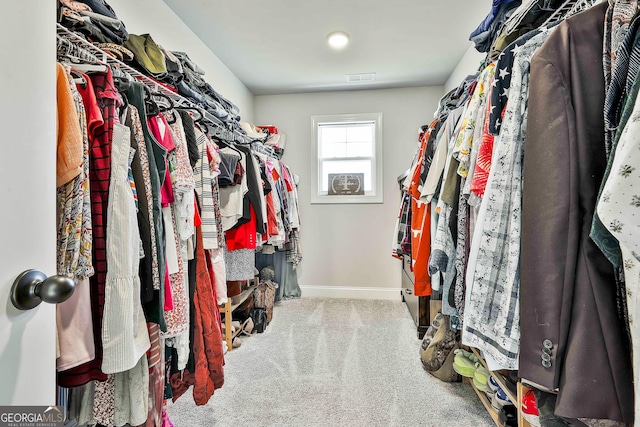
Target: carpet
x=333, y=362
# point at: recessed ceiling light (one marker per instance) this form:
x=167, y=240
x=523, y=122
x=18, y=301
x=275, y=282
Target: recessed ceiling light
x=338, y=39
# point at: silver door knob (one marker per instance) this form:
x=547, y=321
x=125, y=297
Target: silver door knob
x=32, y=287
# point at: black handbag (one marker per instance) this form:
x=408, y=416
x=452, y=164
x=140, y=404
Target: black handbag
x=259, y=317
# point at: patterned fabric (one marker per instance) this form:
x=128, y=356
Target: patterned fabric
x=178, y=318
x=156, y=387
x=481, y=115
x=134, y=123
x=181, y=171
x=616, y=26
x=108, y=100
x=183, y=181
x=462, y=251
x=204, y=190
x=443, y=251
x=74, y=210
x=491, y=317
x=632, y=290
x=104, y=410
x=625, y=67
x=619, y=206
x=483, y=163
x=402, y=227
x=240, y=264
x=294, y=255
x=180, y=227
x=502, y=82
x=155, y=351
x=624, y=72
x=464, y=143
x=218, y=211
x=619, y=209
x=445, y=248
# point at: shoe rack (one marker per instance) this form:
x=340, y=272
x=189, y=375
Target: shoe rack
x=230, y=306
x=516, y=398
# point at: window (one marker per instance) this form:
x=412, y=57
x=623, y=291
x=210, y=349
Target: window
x=347, y=158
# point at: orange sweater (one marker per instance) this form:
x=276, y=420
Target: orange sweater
x=68, y=131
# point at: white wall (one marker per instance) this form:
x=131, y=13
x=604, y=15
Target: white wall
x=469, y=64
x=347, y=248
x=167, y=29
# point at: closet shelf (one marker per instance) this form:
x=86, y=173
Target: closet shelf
x=103, y=57
x=230, y=306
x=498, y=377
x=502, y=382
x=485, y=401
x=238, y=300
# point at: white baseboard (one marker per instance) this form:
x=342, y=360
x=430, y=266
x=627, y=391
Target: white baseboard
x=351, y=292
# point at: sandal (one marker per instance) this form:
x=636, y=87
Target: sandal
x=236, y=342
x=247, y=328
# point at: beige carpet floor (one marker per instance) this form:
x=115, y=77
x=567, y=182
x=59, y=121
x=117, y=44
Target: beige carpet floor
x=333, y=362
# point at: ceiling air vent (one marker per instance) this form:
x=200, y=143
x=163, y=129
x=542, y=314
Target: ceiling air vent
x=359, y=78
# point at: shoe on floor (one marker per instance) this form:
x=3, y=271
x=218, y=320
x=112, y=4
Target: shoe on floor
x=480, y=377
x=508, y=416
x=237, y=342
x=492, y=384
x=500, y=399
x=462, y=365
x=468, y=354
x=530, y=408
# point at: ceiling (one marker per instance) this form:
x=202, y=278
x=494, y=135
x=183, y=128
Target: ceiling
x=279, y=46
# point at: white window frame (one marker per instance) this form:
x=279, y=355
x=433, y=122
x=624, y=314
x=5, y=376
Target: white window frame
x=317, y=195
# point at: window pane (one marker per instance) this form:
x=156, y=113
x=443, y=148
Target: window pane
x=333, y=134
x=360, y=133
x=334, y=149
x=359, y=149
x=346, y=166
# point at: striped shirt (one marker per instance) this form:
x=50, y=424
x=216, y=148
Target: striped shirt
x=202, y=175
x=108, y=99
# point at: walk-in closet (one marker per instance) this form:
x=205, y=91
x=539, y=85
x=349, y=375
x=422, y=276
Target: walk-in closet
x=347, y=213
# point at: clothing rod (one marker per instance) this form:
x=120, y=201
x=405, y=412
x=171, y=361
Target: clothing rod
x=261, y=148
x=105, y=58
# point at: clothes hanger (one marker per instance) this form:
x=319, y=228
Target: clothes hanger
x=165, y=105
x=163, y=101
x=581, y=5
x=78, y=78
x=193, y=111
x=560, y=13
x=150, y=106
x=80, y=61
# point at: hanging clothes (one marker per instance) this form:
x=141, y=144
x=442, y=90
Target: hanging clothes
x=567, y=297
x=73, y=317
x=104, y=95
x=421, y=213
x=491, y=318
x=619, y=208
x=154, y=292
x=124, y=332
